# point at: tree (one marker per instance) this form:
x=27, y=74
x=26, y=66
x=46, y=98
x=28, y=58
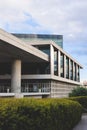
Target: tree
x=79, y=91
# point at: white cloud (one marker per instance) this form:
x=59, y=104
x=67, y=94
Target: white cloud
x=67, y=17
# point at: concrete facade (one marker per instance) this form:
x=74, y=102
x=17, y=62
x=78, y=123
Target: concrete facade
x=36, y=68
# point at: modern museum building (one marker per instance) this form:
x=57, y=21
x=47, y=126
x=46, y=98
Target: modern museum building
x=35, y=65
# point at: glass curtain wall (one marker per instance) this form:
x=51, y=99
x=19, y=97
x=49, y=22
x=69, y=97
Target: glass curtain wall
x=74, y=72
x=71, y=69
x=45, y=49
x=67, y=67
x=78, y=73
x=61, y=65
x=5, y=86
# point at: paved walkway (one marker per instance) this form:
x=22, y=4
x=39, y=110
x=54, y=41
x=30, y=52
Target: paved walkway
x=82, y=125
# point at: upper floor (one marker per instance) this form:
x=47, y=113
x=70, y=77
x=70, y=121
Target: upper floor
x=60, y=63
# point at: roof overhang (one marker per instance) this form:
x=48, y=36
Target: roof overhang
x=13, y=48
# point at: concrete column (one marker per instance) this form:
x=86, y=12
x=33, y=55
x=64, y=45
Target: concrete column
x=76, y=72
x=59, y=63
x=69, y=68
x=52, y=60
x=79, y=73
x=16, y=76
x=64, y=66
x=73, y=71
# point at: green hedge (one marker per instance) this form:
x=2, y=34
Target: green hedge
x=82, y=100
x=39, y=114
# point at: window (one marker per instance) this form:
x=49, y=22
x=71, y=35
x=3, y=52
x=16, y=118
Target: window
x=55, y=63
x=62, y=65
x=67, y=67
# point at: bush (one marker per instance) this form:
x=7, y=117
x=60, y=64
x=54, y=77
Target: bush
x=82, y=100
x=39, y=114
x=79, y=91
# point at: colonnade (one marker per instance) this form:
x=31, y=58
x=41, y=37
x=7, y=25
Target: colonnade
x=73, y=69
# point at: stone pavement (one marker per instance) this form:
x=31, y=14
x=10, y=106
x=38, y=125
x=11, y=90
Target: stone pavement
x=82, y=125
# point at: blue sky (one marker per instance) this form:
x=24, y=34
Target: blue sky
x=66, y=17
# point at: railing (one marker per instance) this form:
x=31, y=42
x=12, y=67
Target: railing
x=5, y=88
x=27, y=87
x=35, y=87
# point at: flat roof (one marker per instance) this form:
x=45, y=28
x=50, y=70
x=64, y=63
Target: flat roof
x=12, y=47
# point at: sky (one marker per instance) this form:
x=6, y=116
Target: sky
x=63, y=17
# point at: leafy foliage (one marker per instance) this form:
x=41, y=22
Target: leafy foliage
x=39, y=114
x=79, y=91
x=82, y=100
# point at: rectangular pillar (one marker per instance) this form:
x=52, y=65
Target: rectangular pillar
x=64, y=66
x=76, y=72
x=59, y=63
x=51, y=60
x=69, y=68
x=73, y=71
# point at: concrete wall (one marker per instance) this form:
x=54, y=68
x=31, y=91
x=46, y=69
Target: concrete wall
x=60, y=89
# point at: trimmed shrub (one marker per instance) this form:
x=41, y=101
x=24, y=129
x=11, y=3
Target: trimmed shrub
x=79, y=91
x=39, y=114
x=82, y=100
